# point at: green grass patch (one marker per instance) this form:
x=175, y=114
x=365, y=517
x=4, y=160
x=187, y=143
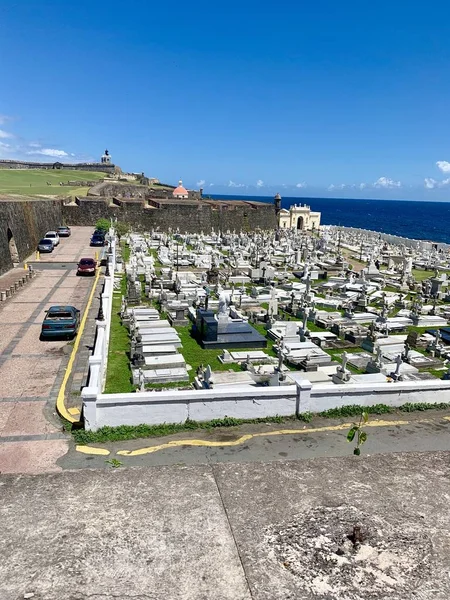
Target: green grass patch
x=130, y=432
x=33, y=182
x=421, y=274
x=195, y=355
x=118, y=373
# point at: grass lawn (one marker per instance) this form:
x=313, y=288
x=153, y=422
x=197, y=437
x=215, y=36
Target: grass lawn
x=118, y=373
x=33, y=182
x=421, y=274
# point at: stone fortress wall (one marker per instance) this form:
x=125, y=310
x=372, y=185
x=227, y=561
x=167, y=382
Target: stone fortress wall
x=22, y=224
x=146, y=214
x=19, y=164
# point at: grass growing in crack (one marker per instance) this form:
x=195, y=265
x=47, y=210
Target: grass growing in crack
x=129, y=432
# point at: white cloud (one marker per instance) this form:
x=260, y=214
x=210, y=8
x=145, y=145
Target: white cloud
x=386, y=183
x=260, y=183
x=200, y=183
x=339, y=186
x=2, y=145
x=5, y=135
x=211, y=185
x=303, y=184
x=233, y=184
x=443, y=165
x=445, y=182
x=50, y=152
x=430, y=183
x=362, y=186
x=4, y=119
x=34, y=145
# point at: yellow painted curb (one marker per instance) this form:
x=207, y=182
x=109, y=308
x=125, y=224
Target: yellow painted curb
x=60, y=405
x=92, y=450
x=74, y=411
x=245, y=438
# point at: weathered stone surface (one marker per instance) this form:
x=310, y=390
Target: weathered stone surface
x=27, y=221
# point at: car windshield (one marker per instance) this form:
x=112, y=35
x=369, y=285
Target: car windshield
x=50, y=235
x=45, y=242
x=86, y=261
x=59, y=315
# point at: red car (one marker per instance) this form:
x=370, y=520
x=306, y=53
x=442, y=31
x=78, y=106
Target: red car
x=87, y=266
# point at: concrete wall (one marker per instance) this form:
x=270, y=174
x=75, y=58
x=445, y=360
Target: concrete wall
x=191, y=217
x=28, y=222
x=247, y=402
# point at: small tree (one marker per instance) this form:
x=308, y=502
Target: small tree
x=103, y=224
x=121, y=228
x=358, y=432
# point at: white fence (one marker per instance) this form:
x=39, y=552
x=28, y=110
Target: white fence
x=242, y=402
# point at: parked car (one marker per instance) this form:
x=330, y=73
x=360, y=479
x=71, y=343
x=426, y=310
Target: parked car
x=52, y=235
x=60, y=321
x=45, y=245
x=64, y=231
x=97, y=240
x=86, y=266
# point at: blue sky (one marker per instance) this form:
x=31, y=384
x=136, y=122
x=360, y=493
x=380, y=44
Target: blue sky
x=317, y=98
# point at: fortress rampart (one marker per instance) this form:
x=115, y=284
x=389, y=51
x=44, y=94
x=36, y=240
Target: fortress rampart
x=19, y=164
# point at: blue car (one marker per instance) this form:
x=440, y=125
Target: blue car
x=97, y=240
x=60, y=322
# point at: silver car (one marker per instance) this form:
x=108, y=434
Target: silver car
x=52, y=235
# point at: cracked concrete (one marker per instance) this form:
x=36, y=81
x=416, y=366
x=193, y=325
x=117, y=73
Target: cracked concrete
x=200, y=532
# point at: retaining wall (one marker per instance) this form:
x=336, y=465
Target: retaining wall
x=189, y=217
x=28, y=221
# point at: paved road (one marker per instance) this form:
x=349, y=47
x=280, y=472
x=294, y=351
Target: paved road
x=31, y=371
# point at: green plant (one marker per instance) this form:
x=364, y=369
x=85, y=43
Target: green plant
x=358, y=432
x=115, y=464
x=103, y=224
x=121, y=228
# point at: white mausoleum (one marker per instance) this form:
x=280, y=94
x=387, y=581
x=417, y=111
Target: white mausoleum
x=299, y=216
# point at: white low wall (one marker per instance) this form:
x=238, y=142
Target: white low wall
x=247, y=402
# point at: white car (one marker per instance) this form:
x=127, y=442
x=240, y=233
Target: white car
x=52, y=235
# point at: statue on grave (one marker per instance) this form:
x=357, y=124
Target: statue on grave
x=224, y=303
x=405, y=355
x=379, y=361
x=141, y=380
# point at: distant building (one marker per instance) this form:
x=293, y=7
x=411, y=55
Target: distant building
x=299, y=216
x=106, y=158
x=180, y=192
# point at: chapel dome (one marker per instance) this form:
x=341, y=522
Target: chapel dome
x=180, y=190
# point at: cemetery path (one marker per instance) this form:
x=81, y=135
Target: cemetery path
x=31, y=371
x=293, y=440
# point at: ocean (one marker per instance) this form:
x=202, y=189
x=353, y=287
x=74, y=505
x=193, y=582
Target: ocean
x=411, y=219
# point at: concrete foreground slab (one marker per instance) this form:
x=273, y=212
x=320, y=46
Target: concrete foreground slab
x=204, y=532
x=141, y=533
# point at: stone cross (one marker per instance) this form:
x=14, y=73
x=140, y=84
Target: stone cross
x=344, y=361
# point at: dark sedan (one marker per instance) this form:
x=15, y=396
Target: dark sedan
x=97, y=240
x=60, y=321
x=86, y=266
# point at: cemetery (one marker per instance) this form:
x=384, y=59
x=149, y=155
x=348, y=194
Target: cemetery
x=267, y=323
